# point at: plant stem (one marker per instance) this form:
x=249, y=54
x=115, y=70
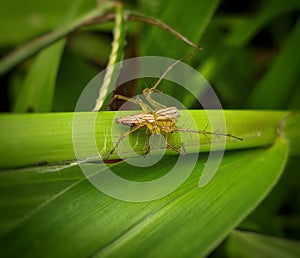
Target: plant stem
x=116, y=55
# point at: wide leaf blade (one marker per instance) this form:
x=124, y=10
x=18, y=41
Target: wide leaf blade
x=81, y=221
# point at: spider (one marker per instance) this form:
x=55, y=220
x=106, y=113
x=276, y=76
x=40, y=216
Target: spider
x=157, y=118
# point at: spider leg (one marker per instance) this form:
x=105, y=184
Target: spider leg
x=204, y=132
x=220, y=134
x=170, y=68
x=124, y=135
x=147, y=93
x=148, y=148
x=183, y=150
x=170, y=146
x=146, y=108
x=223, y=134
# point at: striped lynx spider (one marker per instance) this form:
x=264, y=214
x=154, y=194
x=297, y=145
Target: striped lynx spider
x=157, y=118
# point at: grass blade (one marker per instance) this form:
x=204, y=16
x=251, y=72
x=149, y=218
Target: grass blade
x=248, y=244
x=48, y=137
x=19, y=55
x=37, y=92
x=281, y=87
x=193, y=217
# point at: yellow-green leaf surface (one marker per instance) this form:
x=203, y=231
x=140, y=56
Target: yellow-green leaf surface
x=28, y=139
x=43, y=208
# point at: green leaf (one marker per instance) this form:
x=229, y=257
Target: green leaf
x=246, y=245
x=266, y=13
x=274, y=84
x=86, y=45
x=223, y=67
x=290, y=125
x=35, y=187
x=24, y=20
x=218, y=69
x=70, y=82
x=81, y=221
x=273, y=216
x=48, y=137
x=20, y=54
x=36, y=93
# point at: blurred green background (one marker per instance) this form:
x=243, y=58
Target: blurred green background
x=250, y=49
